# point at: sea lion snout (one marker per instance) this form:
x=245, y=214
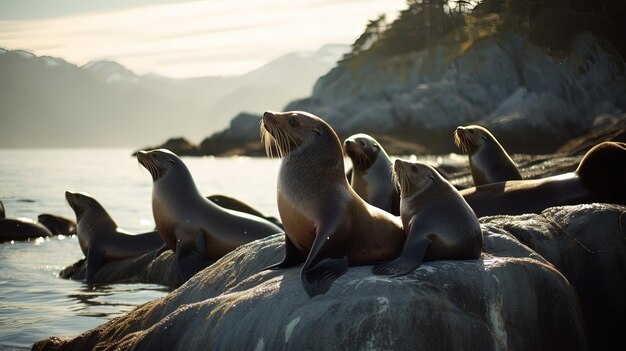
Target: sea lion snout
x=399, y=165
x=269, y=115
x=349, y=146
x=142, y=156
x=69, y=196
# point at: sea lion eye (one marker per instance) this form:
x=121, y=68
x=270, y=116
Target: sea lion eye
x=484, y=138
x=292, y=121
x=171, y=161
x=471, y=131
x=414, y=168
x=317, y=131
x=431, y=177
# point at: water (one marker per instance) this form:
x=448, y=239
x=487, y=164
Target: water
x=34, y=302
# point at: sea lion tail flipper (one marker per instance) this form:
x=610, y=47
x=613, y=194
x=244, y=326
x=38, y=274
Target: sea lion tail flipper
x=95, y=259
x=318, y=279
x=411, y=257
x=327, y=261
x=161, y=250
x=292, y=257
x=190, y=259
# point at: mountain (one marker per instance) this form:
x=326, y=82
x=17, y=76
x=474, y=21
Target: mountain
x=48, y=102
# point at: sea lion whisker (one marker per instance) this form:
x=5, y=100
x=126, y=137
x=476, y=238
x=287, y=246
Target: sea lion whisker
x=461, y=141
x=289, y=137
x=278, y=138
x=280, y=141
x=268, y=140
x=361, y=156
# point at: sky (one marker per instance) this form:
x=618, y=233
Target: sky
x=184, y=38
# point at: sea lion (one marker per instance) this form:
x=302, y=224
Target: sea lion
x=57, y=224
x=599, y=178
x=237, y=205
x=99, y=237
x=20, y=228
x=489, y=162
x=439, y=224
x=327, y=225
x=371, y=173
x=189, y=224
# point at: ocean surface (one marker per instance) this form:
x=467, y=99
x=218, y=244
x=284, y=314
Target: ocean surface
x=34, y=302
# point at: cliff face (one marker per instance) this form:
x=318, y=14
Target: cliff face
x=506, y=84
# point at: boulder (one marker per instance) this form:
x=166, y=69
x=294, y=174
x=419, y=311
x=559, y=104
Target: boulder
x=510, y=298
x=587, y=244
x=180, y=146
x=140, y=269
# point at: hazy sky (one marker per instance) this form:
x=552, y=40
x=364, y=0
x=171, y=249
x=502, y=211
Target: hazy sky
x=184, y=38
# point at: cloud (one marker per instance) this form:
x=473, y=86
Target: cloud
x=197, y=38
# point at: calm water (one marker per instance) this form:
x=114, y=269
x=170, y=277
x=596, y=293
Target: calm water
x=34, y=302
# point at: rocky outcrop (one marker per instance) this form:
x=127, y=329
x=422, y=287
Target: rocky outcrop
x=140, y=269
x=513, y=297
x=179, y=146
x=587, y=244
x=240, y=138
x=610, y=128
x=504, y=83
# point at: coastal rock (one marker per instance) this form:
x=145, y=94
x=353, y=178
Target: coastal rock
x=242, y=134
x=510, y=298
x=587, y=244
x=179, y=146
x=505, y=83
x=141, y=269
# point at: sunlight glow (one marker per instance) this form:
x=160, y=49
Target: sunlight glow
x=197, y=38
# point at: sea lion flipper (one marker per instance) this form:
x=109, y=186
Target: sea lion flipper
x=318, y=279
x=293, y=257
x=190, y=259
x=161, y=250
x=411, y=257
x=95, y=259
x=327, y=261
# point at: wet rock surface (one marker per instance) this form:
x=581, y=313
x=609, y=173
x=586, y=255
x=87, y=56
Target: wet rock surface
x=543, y=282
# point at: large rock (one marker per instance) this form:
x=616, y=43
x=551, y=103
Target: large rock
x=506, y=83
x=510, y=298
x=587, y=244
x=140, y=269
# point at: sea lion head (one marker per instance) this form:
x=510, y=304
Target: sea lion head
x=471, y=138
x=81, y=203
x=362, y=150
x=413, y=177
x=291, y=131
x=603, y=169
x=158, y=162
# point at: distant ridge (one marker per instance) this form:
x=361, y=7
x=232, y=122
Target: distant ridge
x=48, y=102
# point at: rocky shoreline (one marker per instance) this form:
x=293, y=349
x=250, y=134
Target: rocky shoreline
x=545, y=281
x=549, y=281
